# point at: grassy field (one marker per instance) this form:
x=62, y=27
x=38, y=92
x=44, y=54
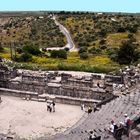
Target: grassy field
x=97, y=63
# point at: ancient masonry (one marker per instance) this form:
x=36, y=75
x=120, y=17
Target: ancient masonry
x=64, y=87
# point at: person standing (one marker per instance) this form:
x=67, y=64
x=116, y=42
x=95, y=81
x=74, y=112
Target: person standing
x=0, y=100
x=127, y=124
x=53, y=106
x=82, y=106
x=48, y=106
x=89, y=110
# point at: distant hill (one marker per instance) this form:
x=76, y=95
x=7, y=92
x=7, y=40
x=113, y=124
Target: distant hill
x=89, y=29
x=33, y=27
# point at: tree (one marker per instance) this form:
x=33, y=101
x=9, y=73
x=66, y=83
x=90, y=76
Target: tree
x=127, y=53
x=132, y=37
x=84, y=55
x=25, y=57
x=82, y=49
x=1, y=48
x=95, y=50
x=19, y=50
x=102, y=42
x=59, y=54
x=31, y=49
x=132, y=28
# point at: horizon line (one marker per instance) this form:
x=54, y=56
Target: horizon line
x=83, y=11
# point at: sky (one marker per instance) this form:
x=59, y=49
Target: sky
x=129, y=6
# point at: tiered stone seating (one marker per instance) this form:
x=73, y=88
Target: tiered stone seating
x=99, y=121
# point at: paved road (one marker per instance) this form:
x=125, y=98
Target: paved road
x=70, y=44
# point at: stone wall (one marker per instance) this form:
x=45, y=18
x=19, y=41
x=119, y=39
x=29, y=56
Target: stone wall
x=90, y=86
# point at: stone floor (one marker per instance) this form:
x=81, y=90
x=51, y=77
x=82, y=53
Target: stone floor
x=30, y=119
x=99, y=121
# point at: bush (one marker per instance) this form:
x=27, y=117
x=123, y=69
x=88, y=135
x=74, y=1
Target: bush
x=1, y=48
x=25, y=57
x=67, y=49
x=128, y=53
x=84, y=55
x=102, y=42
x=132, y=29
x=31, y=49
x=82, y=50
x=59, y=54
x=103, y=47
x=111, y=51
x=19, y=50
x=95, y=50
x=121, y=30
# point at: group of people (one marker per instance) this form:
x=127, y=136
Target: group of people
x=51, y=106
x=122, y=128
x=89, y=108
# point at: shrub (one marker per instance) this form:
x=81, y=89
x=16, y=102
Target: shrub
x=59, y=54
x=102, y=42
x=128, y=53
x=67, y=49
x=19, y=50
x=84, y=55
x=1, y=48
x=103, y=47
x=31, y=49
x=82, y=50
x=25, y=57
x=95, y=50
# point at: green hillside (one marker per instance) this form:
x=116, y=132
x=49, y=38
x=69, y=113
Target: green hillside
x=97, y=37
x=39, y=30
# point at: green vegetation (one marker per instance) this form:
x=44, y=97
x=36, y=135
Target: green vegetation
x=104, y=34
x=104, y=41
x=25, y=57
x=90, y=29
x=59, y=54
x=40, y=31
x=31, y=49
x=73, y=62
x=127, y=53
x=1, y=48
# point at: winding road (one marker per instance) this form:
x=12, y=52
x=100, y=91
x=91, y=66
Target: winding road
x=70, y=44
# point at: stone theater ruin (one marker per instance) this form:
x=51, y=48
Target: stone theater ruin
x=65, y=87
x=114, y=95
